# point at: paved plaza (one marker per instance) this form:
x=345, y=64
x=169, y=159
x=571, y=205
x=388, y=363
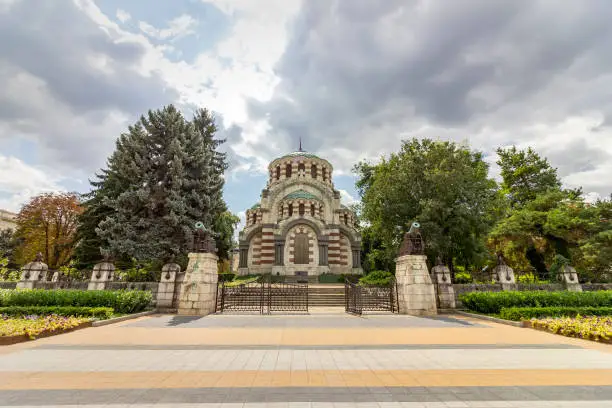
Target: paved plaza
x=318, y=360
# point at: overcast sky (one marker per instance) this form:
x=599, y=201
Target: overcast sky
x=351, y=77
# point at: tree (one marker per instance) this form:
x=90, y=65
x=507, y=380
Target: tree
x=47, y=224
x=442, y=185
x=526, y=175
x=164, y=176
x=225, y=225
x=557, y=226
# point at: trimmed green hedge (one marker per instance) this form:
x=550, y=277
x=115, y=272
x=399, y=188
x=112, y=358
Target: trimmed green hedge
x=77, y=311
x=122, y=301
x=494, y=302
x=526, y=313
x=377, y=278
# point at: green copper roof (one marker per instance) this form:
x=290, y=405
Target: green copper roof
x=301, y=194
x=256, y=206
x=299, y=154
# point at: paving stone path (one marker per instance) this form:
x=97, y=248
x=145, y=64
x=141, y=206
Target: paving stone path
x=319, y=360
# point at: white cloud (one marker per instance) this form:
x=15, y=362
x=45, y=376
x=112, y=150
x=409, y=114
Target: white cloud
x=123, y=16
x=178, y=27
x=346, y=198
x=22, y=181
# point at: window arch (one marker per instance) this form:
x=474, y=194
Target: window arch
x=278, y=173
x=288, y=170
x=313, y=171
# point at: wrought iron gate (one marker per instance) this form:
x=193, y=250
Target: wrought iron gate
x=361, y=298
x=262, y=296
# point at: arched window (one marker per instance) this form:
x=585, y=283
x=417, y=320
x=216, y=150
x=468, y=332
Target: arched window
x=324, y=174
x=312, y=210
x=301, y=209
x=288, y=170
x=345, y=219
x=313, y=171
x=254, y=218
x=301, y=167
x=277, y=172
x=290, y=210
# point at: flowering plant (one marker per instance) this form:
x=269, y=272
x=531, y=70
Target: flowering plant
x=598, y=328
x=34, y=325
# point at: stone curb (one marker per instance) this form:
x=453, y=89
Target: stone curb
x=99, y=323
x=490, y=319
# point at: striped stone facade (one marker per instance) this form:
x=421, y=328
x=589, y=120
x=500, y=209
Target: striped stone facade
x=299, y=205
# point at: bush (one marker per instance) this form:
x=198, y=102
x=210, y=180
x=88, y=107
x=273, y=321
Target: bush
x=526, y=313
x=122, y=301
x=226, y=277
x=494, y=302
x=33, y=326
x=591, y=328
x=331, y=278
x=463, y=277
x=377, y=278
x=77, y=311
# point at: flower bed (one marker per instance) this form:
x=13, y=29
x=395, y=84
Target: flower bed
x=15, y=330
x=595, y=328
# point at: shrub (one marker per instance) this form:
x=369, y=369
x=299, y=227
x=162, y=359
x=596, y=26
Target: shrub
x=377, y=278
x=33, y=326
x=226, y=277
x=122, y=301
x=78, y=311
x=463, y=277
x=526, y=313
x=591, y=328
x=493, y=302
x=331, y=278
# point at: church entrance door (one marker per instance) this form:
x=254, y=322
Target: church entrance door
x=301, y=249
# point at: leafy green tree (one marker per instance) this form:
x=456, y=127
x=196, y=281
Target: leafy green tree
x=525, y=175
x=164, y=175
x=225, y=225
x=556, y=227
x=442, y=185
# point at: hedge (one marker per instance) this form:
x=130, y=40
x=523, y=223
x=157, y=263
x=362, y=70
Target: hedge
x=494, y=302
x=526, y=313
x=122, y=301
x=77, y=311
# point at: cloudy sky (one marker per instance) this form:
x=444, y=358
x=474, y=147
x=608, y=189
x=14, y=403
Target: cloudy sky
x=351, y=77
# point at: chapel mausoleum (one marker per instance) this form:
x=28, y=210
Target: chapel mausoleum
x=299, y=227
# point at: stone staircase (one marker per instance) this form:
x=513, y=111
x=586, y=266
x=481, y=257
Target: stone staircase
x=325, y=295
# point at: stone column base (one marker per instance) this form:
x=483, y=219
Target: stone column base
x=415, y=291
x=199, y=287
x=446, y=296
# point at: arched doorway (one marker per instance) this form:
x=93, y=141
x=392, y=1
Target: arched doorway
x=301, y=255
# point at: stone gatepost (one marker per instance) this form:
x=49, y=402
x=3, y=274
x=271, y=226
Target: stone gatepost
x=504, y=274
x=102, y=273
x=569, y=276
x=444, y=285
x=165, y=289
x=35, y=271
x=415, y=291
x=199, y=287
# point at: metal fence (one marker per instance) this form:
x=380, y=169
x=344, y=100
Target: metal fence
x=262, y=296
x=361, y=298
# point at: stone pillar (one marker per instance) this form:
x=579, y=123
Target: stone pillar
x=267, y=244
x=570, y=279
x=444, y=286
x=102, y=273
x=167, y=282
x=279, y=252
x=415, y=291
x=504, y=274
x=32, y=272
x=199, y=287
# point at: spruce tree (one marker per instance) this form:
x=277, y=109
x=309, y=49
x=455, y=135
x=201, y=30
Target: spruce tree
x=164, y=175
